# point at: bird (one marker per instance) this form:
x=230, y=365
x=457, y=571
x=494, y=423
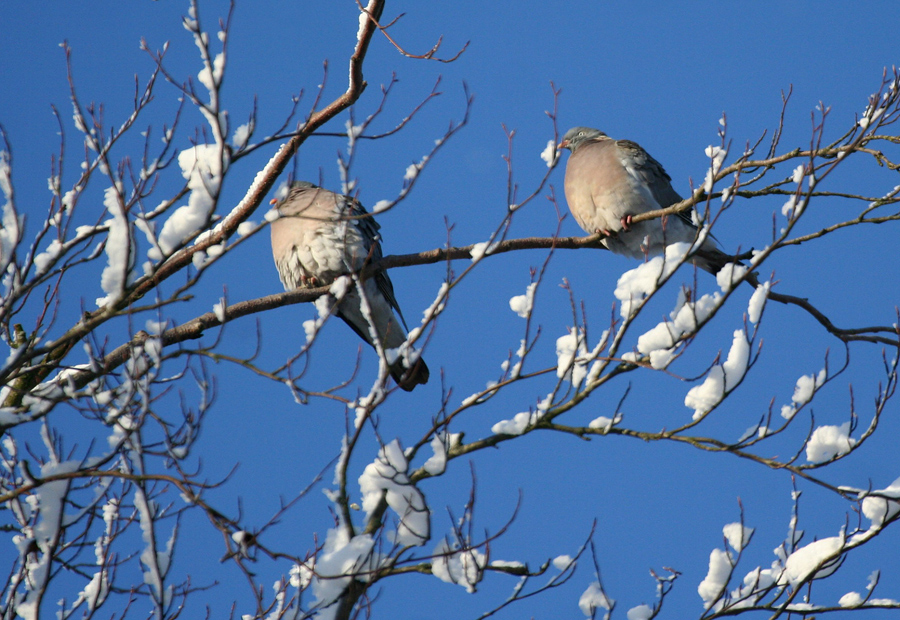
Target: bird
x=320, y=236
x=609, y=181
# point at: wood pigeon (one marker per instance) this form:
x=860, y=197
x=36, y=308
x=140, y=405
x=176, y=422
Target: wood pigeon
x=320, y=236
x=609, y=181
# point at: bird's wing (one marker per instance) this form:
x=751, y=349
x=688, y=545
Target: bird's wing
x=654, y=176
x=369, y=231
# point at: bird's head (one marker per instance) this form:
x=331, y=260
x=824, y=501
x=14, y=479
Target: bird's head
x=578, y=136
x=295, y=188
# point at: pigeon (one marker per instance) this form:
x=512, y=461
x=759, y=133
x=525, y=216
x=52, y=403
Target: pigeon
x=320, y=236
x=610, y=181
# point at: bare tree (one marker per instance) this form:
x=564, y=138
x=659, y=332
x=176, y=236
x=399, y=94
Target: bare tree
x=96, y=522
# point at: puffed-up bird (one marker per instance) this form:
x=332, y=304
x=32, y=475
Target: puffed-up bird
x=610, y=181
x=320, y=236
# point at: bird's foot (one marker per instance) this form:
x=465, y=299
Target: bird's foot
x=626, y=222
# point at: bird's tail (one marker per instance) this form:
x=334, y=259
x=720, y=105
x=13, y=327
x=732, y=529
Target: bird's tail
x=391, y=334
x=713, y=259
x=409, y=378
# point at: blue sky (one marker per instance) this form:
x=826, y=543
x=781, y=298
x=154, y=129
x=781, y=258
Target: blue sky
x=659, y=73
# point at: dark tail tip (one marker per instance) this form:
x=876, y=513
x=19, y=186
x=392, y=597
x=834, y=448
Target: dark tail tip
x=713, y=261
x=409, y=378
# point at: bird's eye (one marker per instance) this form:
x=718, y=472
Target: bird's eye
x=580, y=133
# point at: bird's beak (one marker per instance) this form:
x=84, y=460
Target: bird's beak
x=273, y=201
x=562, y=145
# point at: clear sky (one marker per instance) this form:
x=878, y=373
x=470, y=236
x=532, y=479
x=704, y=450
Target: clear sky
x=659, y=73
